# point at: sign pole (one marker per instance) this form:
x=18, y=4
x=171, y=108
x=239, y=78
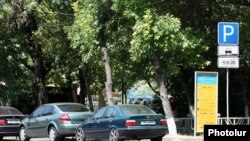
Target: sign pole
x=228, y=51
x=227, y=96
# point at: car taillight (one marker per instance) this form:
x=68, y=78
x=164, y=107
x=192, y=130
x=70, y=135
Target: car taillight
x=64, y=117
x=163, y=122
x=130, y=123
x=2, y=122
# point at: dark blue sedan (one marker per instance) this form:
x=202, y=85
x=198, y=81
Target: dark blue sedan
x=10, y=118
x=119, y=122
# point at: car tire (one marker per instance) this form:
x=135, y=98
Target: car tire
x=157, y=139
x=79, y=135
x=53, y=135
x=1, y=138
x=114, y=135
x=23, y=134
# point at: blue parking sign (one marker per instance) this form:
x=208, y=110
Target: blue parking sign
x=228, y=33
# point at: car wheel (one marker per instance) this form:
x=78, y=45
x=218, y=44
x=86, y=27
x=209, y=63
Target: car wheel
x=114, y=135
x=157, y=139
x=53, y=135
x=1, y=138
x=23, y=134
x=80, y=134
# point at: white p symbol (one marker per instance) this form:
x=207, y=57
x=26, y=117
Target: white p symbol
x=231, y=31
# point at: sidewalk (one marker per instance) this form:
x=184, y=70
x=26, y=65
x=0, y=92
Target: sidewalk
x=182, y=138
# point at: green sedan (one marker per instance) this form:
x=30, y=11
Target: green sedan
x=54, y=120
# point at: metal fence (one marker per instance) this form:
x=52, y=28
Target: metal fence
x=234, y=121
x=186, y=125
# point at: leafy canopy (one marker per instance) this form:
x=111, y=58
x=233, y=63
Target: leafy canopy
x=162, y=34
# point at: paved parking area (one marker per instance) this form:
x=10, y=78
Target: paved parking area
x=32, y=139
x=166, y=138
x=45, y=139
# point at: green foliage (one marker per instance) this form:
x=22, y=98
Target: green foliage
x=179, y=32
x=141, y=88
x=84, y=30
x=5, y=9
x=163, y=35
x=49, y=34
x=84, y=37
x=18, y=82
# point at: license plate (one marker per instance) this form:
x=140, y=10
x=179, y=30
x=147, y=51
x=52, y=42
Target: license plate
x=148, y=123
x=13, y=121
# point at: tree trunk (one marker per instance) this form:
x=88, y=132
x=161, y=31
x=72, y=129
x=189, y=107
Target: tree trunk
x=245, y=98
x=163, y=95
x=39, y=68
x=82, y=87
x=101, y=101
x=188, y=96
x=108, y=83
x=40, y=86
x=104, y=18
x=74, y=93
x=87, y=92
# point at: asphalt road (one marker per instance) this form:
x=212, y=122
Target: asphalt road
x=46, y=139
x=32, y=139
x=170, y=138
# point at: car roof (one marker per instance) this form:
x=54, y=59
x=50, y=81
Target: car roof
x=130, y=105
x=4, y=108
x=63, y=103
x=7, y=107
x=125, y=105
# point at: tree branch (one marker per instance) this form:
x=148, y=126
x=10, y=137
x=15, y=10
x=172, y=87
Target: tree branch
x=29, y=66
x=149, y=84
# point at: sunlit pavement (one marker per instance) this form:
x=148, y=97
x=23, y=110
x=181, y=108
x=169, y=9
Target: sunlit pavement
x=33, y=139
x=45, y=139
x=166, y=138
x=182, y=138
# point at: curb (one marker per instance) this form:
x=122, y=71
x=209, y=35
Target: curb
x=182, y=138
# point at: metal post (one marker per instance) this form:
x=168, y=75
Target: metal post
x=125, y=98
x=227, y=96
x=122, y=92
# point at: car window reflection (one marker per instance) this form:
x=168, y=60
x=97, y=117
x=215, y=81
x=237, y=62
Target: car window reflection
x=132, y=110
x=73, y=108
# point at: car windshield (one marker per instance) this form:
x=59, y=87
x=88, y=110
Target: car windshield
x=9, y=111
x=136, y=109
x=73, y=108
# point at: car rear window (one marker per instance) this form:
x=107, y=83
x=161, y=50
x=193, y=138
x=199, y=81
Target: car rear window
x=136, y=109
x=9, y=111
x=73, y=108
